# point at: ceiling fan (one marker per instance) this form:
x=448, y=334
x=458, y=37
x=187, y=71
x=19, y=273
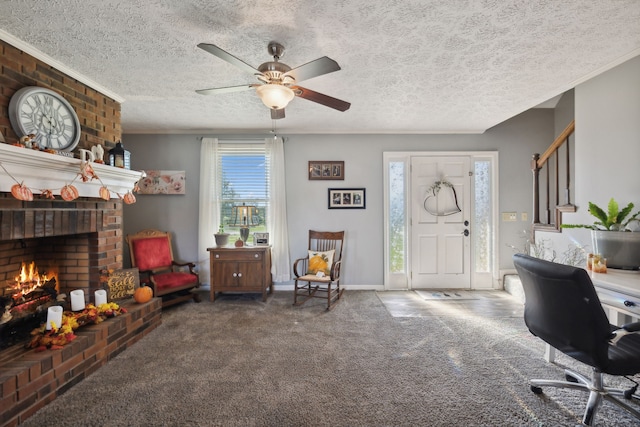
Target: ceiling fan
x=279, y=81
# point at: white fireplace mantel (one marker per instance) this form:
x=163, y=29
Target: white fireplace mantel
x=39, y=171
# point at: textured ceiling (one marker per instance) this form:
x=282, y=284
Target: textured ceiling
x=408, y=66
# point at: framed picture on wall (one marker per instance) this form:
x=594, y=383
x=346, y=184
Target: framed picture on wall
x=326, y=170
x=347, y=198
x=163, y=182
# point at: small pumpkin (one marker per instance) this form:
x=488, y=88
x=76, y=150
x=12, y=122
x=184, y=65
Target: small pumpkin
x=129, y=198
x=69, y=193
x=21, y=192
x=143, y=294
x=239, y=243
x=105, y=194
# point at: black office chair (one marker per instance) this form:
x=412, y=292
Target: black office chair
x=563, y=309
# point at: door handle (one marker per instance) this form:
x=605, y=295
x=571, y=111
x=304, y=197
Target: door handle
x=465, y=232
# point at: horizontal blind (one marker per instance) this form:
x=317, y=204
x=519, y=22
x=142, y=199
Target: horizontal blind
x=243, y=169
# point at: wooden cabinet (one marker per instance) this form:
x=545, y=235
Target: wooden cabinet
x=246, y=269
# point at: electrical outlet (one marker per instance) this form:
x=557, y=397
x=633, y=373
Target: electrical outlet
x=523, y=216
x=509, y=216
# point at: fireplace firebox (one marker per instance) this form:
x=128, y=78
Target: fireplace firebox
x=76, y=239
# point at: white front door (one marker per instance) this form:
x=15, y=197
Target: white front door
x=439, y=237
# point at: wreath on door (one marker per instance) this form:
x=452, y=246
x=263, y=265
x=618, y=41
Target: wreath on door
x=433, y=191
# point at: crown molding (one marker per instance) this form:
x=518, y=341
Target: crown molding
x=27, y=48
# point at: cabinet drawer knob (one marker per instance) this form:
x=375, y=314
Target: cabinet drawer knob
x=235, y=275
x=239, y=274
x=255, y=255
x=217, y=255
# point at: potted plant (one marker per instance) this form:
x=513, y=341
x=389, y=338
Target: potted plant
x=611, y=235
x=221, y=237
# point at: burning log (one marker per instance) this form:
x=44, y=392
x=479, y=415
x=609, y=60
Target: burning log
x=48, y=288
x=25, y=307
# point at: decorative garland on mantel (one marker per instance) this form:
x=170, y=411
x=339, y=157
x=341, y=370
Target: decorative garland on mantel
x=68, y=192
x=434, y=189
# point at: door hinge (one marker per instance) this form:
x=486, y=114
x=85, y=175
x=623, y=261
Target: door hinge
x=470, y=173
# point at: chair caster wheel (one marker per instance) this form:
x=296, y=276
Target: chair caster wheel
x=570, y=378
x=628, y=394
x=536, y=389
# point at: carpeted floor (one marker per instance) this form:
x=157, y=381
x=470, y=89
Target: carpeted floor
x=244, y=362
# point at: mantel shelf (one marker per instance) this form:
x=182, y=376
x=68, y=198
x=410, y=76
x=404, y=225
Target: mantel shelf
x=39, y=171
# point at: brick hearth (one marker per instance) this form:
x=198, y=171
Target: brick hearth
x=79, y=240
x=30, y=380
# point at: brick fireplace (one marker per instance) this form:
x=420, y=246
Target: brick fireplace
x=78, y=240
x=74, y=239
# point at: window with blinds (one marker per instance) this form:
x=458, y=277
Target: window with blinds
x=243, y=170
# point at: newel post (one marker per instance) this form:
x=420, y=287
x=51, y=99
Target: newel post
x=536, y=188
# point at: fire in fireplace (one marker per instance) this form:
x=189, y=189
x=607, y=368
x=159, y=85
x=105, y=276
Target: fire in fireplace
x=23, y=304
x=30, y=280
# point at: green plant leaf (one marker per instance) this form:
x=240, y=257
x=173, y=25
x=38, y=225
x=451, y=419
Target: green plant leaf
x=614, y=210
x=596, y=211
x=624, y=213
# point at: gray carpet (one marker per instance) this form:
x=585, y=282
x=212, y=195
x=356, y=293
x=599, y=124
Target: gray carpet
x=242, y=362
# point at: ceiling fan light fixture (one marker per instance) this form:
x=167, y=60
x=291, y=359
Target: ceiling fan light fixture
x=275, y=96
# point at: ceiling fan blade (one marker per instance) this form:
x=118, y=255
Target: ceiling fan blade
x=277, y=114
x=320, y=98
x=226, y=89
x=318, y=67
x=226, y=56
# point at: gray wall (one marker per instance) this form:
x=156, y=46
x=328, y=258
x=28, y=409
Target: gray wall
x=515, y=140
x=607, y=152
x=175, y=213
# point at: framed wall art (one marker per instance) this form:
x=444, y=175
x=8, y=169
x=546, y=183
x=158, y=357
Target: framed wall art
x=347, y=198
x=163, y=182
x=326, y=170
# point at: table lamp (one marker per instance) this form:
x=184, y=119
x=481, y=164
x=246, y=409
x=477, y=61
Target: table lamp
x=244, y=217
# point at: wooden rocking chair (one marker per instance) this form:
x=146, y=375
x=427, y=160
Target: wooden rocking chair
x=318, y=274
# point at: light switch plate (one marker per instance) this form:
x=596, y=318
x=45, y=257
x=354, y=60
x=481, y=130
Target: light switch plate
x=509, y=216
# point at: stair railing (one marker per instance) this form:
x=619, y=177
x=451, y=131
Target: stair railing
x=555, y=175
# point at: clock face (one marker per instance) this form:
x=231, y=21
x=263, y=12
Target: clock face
x=47, y=115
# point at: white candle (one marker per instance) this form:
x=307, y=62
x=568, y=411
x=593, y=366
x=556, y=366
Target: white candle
x=77, y=300
x=101, y=297
x=54, y=316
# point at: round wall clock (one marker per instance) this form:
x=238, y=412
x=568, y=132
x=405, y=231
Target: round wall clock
x=47, y=115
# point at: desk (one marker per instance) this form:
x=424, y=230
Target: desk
x=619, y=293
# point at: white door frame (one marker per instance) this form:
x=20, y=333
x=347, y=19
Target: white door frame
x=402, y=280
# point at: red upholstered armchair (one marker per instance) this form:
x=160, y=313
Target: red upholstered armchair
x=152, y=254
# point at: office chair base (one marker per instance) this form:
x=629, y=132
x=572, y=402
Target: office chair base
x=597, y=392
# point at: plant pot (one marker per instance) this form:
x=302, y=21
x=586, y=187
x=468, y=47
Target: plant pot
x=221, y=239
x=620, y=248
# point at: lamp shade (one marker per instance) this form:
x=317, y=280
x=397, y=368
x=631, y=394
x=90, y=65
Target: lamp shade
x=244, y=216
x=275, y=96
